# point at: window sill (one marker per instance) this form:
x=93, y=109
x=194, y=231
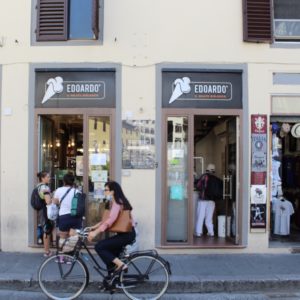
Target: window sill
x=286, y=44
x=68, y=43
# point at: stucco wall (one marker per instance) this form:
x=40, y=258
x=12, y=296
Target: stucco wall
x=138, y=34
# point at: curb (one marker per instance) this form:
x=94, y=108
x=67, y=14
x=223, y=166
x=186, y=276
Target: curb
x=178, y=286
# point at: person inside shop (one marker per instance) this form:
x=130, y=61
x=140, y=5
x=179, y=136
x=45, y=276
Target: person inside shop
x=45, y=194
x=210, y=189
x=110, y=248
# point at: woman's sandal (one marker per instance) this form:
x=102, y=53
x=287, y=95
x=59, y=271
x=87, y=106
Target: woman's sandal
x=122, y=268
x=48, y=254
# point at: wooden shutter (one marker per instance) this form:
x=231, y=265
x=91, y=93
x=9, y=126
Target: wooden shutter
x=95, y=19
x=257, y=20
x=52, y=20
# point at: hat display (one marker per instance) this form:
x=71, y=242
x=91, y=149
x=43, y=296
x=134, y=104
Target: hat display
x=282, y=134
x=275, y=127
x=286, y=127
x=296, y=130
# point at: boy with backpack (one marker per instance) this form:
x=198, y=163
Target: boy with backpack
x=210, y=189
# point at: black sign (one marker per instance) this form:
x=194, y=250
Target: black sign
x=75, y=89
x=202, y=89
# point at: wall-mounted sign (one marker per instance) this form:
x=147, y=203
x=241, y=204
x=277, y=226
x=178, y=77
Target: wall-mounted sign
x=258, y=216
x=202, y=89
x=185, y=89
x=258, y=171
x=258, y=146
x=57, y=88
x=75, y=89
x=258, y=194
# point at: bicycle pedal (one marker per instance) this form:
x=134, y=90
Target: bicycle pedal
x=120, y=286
x=112, y=291
x=102, y=288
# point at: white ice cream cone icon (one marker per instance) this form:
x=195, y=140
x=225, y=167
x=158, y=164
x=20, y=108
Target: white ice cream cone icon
x=182, y=86
x=55, y=85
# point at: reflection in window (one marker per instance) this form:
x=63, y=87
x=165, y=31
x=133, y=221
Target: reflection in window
x=138, y=149
x=177, y=180
x=80, y=20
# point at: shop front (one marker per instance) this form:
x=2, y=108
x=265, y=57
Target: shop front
x=74, y=125
x=284, y=155
x=202, y=122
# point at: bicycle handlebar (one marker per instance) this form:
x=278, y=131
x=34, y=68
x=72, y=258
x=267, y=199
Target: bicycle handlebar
x=84, y=232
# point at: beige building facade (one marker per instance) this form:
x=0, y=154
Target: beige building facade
x=160, y=89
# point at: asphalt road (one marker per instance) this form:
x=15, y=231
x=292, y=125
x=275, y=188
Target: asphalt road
x=17, y=295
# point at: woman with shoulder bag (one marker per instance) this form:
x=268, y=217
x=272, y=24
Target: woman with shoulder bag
x=109, y=249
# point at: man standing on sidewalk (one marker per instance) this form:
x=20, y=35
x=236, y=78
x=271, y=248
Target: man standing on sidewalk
x=210, y=189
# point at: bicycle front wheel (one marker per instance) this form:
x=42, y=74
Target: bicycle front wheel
x=63, y=277
x=146, y=278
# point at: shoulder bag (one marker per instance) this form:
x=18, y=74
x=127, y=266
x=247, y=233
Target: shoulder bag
x=122, y=224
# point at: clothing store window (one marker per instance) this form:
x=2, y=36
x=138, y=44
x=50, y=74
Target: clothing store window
x=285, y=192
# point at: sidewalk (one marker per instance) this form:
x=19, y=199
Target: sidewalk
x=190, y=273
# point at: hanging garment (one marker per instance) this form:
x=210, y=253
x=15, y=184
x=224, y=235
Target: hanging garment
x=288, y=173
x=282, y=209
x=297, y=171
x=275, y=170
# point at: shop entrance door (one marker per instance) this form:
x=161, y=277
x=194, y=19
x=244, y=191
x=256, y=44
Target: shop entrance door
x=193, y=142
x=230, y=188
x=80, y=143
x=215, y=145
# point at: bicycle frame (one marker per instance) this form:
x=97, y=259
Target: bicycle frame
x=78, y=248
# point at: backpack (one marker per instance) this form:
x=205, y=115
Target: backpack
x=78, y=204
x=210, y=187
x=36, y=201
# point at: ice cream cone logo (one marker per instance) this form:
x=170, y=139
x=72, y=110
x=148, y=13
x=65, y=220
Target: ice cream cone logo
x=55, y=86
x=182, y=86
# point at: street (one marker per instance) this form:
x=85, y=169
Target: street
x=14, y=295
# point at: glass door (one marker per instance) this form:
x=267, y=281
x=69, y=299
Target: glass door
x=177, y=180
x=230, y=190
x=99, y=165
x=60, y=147
x=79, y=144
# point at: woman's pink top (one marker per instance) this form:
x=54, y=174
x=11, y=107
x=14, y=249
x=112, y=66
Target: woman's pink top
x=114, y=213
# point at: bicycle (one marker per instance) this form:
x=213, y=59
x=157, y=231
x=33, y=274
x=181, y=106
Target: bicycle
x=64, y=276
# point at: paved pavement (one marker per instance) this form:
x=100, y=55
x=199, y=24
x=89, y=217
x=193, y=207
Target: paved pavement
x=232, y=273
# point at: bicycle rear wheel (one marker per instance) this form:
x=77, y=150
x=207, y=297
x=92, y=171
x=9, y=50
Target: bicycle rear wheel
x=146, y=278
x=62, y=277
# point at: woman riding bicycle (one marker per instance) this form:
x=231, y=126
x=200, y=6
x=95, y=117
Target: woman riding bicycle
x=109, y=249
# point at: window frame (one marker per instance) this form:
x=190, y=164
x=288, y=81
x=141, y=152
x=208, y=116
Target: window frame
x=68, y=42
x=283, y=39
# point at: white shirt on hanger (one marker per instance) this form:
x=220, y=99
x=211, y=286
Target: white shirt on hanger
x=283, y=211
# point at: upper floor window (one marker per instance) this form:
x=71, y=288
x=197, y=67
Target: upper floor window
x=287, y=20
x=62, y=20
x=258, y=16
